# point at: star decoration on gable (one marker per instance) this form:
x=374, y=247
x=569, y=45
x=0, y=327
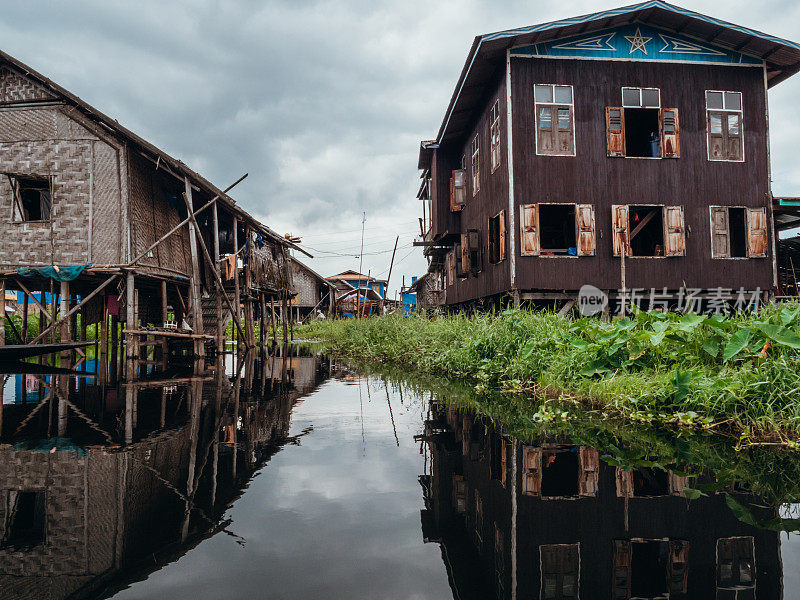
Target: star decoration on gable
x=638, y=41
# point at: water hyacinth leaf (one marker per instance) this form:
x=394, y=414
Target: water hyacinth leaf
x=789, y=316
x=657, y=338
x=711, y=347
x=737, y=343
x=740, y=512
x=779, y=334
x=690, y=321
x=692, y=493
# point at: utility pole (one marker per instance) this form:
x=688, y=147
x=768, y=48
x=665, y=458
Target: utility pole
x=389, y=277
x=360, y=265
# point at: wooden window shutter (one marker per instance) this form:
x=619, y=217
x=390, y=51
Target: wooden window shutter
x=677, y=483
x=459, y=494
x=464, y=253
x=757, y=232
x=590, y=470
x=720, y=232
x=670, y=142
x=565, y=127
x=584, y=214
x=624, y=483
x=545, y=129
x=615, y=131
x=531, y=471
x=502, y=219
x=622, y=570
x=529, y=226
x=458, y=190
x=621, y=225
x=674, y=231
x=451, y=268
x=716, y=124
x=734, y=148
x=678, y=568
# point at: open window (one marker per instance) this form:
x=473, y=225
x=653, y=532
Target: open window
x=557, y=230
x=25, y=520
x=649, y=483
x=475, y=257
x=650, y=568
x=736, y=565
x=458, y=190
x=647, y=230
x=475, y=152
x=555, y=120
x=494, y=135
x=461, y=257
x=641, y=128
x=560, y=568
x=560, y=471
x=724, y=124
x=497, y=237
x=32, y=198
x=738, y=232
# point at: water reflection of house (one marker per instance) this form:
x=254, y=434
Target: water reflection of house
x=550, y=520
x=89, y=487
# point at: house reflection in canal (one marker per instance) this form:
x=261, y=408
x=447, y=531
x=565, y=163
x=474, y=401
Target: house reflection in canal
x=96, y=476
x=548, y=519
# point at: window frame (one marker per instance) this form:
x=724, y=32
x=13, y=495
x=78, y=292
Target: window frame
x=724, y=111
x=539, y=251
x=554, y=117
x=17, y=216
x=494, y=127
x=747, y=210
x=475, y=164
x=502, y=245
x=640, y=105
x=664, y=208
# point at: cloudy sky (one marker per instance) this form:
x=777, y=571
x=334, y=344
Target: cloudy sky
x=323, y=103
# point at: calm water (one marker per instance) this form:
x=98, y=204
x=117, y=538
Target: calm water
x=295, y=477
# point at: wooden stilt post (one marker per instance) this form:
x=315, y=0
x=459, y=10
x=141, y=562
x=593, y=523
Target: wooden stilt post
x=130, y=324
x=272, y=318
x=164, y=319
x=25, y=318
x=220, y=320
x=114, y=354
x=41, y=326
x=3, y=318
x=237, y=299
x=66, y=334
x=283, y=318
x=196, y=308
x=263, y=321
x=103, y=337
x=291, y=321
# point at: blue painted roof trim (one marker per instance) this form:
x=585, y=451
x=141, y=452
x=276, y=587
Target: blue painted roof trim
x=629, y=9
x=594, y=17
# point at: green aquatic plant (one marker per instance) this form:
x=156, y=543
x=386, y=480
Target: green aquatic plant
x=735, y=374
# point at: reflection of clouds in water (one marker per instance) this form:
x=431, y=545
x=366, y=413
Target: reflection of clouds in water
x=322, y=520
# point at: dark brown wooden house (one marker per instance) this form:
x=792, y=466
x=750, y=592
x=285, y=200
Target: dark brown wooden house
x=112, y=225
x=545, y=518
x=627, y=149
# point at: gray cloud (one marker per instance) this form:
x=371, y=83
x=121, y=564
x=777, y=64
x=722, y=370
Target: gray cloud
x=322, y=102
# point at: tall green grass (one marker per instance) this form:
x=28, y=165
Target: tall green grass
x=737, y=373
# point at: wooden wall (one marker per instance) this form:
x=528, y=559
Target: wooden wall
x=593, y=178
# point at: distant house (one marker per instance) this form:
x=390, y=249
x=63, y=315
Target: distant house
x=358, y=280
x=311, y=291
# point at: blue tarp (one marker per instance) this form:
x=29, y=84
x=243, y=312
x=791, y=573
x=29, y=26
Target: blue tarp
x=56, y=272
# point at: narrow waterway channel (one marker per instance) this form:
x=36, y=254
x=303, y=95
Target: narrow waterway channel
x=294, y=476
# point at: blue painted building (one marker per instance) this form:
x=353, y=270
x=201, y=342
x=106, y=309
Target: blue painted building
x=358, y=280
x=408, y=297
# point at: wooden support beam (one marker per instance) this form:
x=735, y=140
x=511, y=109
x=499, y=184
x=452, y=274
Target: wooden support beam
x=130, y=323
x=14, y=329
x=66, y=334
x=24, y=318
x=648, y=217
x=195, y=300
x=272, y=318
x=29, y=294
x=3, y=321
x=77, y=307
x=237, y=298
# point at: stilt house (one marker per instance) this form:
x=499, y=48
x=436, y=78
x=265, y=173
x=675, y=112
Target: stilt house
x=626, y=149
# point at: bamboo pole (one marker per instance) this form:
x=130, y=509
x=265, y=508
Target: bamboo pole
x=195, y=300
x=3, y=320
x=272, y=318
x=130, y=323
x=35, y=301
x=24, y=318
x=237, y=298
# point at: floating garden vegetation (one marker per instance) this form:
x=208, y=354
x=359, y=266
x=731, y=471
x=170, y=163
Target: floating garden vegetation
x=737, y=374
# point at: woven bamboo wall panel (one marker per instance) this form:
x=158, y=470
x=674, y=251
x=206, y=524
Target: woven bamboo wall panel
x=107, y=206
x=65, y=239
x=306, y=287
x=15, y=87
x=103, y=478
x=62, y=476
x=152, y=217
x=27, y=125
